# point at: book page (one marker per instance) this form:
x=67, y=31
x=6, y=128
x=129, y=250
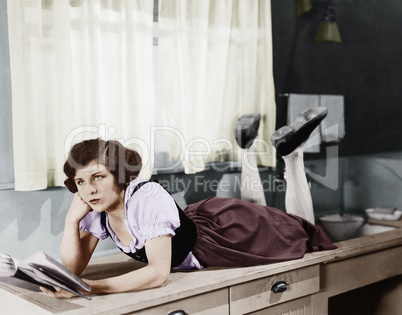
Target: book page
x=52, y=268
x=48, y=281
x=16, y=282
x=7, y=265
x=10, y=274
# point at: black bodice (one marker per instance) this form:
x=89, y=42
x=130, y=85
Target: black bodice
x=182, y=242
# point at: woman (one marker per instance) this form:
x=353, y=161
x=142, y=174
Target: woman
x=146, y=224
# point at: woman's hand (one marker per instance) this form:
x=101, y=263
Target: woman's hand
x=59, y=293
x=78, y=209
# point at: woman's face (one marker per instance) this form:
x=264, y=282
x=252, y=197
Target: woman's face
x=96, y=186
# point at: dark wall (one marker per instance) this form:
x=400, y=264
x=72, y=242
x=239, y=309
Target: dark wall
x=366, y=67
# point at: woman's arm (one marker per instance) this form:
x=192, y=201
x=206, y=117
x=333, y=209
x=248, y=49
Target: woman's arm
x=154, y=274
x=76, y=246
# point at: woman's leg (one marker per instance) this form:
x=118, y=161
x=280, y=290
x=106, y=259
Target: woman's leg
x=251, y=185
x=289, y=141
x=298, y=199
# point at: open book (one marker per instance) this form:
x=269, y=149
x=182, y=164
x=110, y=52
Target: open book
x=40, y=270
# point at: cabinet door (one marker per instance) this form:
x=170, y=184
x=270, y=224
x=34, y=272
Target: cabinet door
x=214, y=302
x=300, y=306
x=257, y=294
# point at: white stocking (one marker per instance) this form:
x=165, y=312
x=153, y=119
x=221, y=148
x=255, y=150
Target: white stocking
x=251, y=186
x=298, y=199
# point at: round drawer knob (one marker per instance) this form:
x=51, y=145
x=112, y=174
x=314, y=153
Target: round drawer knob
x=279, y=287
x=177, y=312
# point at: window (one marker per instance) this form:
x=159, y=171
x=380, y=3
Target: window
x=6, y=148
x=162, y=163
x=219, y=43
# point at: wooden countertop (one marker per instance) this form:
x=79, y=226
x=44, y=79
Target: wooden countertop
x=186, y=284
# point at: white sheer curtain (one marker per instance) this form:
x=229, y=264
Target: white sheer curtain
x=215, y=61
x=79, y=69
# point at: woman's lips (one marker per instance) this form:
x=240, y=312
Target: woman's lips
x=93, y=201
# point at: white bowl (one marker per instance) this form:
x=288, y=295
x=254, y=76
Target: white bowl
x=380, y=214
x=342, y=227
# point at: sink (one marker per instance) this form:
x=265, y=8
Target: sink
x=369, y=229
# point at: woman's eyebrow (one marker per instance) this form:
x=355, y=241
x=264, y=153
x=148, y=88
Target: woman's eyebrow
x=97, y=173
x=92, y=175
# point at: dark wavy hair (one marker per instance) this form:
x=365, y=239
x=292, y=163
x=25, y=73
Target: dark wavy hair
x=123, y=163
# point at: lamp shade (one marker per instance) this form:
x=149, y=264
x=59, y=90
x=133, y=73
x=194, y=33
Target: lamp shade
x=328, y=29
x=302, y=6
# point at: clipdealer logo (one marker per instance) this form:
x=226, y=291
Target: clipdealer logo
x=190, y=153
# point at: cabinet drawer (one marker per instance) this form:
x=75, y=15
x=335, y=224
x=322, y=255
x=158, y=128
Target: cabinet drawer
x=255, y=295
x=214, y=302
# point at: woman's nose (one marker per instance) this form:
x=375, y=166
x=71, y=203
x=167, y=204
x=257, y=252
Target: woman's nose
x=91, y=189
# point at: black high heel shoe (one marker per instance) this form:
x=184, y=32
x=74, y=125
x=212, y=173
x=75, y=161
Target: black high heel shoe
x=246, y=129
x=287, y=138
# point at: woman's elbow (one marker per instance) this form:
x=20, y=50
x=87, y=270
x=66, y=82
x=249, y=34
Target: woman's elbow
x=75, y=265
x=162, y=284
x=161, y=278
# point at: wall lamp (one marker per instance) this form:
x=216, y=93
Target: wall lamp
x=328, y=31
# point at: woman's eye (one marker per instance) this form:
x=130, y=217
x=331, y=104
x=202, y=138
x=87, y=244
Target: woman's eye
x=98, y=177
x=80, y=182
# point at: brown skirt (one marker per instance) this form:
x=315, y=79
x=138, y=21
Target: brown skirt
x=233, y=232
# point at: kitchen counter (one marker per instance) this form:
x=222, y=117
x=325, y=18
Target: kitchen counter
x=310, y=283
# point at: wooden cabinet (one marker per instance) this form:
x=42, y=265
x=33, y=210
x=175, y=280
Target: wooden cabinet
x=371, y=265
x=359, y=272
x=253, y=297
x=300, y=306
x=256, y=295
x=214, y=302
